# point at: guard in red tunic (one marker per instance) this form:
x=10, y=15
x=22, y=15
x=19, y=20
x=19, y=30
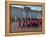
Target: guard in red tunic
x=24, y=23
x=19, y=22
x=28, y=22
x=34, y=23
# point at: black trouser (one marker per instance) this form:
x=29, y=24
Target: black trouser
x=23, y=26
x=35, y=25
x=19, y=25
x=28, y=25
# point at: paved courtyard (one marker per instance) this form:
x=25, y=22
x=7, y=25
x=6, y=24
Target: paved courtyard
x=14, y=28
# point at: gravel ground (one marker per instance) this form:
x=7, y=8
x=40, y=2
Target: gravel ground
x=14, y=28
